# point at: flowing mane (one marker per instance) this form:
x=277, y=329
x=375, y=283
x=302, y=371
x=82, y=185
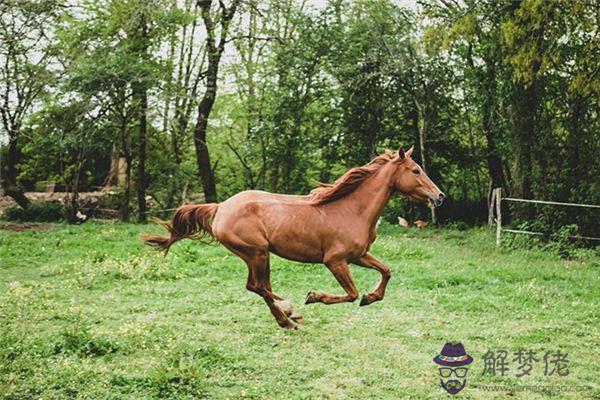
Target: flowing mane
x=348, y=182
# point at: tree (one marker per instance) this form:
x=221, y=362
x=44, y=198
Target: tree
x=109, y=56
x=251, y=45
x=140, y=96
x=215, y=48
x=65, y=137
x=524, y=33
x=26, y=56
x=473, y=31
x=187, y=57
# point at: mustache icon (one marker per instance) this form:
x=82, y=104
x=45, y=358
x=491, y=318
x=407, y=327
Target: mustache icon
x=453, y=386
x=454, y=383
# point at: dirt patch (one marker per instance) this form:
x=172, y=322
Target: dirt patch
x=86, y=199
x=25, y=227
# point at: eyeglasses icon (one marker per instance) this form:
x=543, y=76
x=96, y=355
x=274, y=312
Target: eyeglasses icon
x=459, y=372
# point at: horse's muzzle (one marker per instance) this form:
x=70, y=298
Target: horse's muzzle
x=437, y=201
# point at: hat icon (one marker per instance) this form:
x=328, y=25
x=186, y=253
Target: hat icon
x=453, y=355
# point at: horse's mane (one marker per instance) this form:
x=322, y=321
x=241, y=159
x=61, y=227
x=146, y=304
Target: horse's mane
x=348, y=182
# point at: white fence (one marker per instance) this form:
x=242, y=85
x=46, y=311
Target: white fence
x=496, y=204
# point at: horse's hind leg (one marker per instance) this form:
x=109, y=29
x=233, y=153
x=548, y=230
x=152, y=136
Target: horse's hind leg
x=259, y=282
x=341, y=272
x=368, y=261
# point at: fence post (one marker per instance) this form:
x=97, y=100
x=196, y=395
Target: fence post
x=491, y=205
x=498, y=215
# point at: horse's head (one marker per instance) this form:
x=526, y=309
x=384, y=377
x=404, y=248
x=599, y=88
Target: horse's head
x=413, y=182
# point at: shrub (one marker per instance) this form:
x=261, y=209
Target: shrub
x=112, y=199
x=458, y=225
x=562, y=241
x=36, y=212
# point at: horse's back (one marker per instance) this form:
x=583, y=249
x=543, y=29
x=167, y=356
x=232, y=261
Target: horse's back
x=260, y=196
x=259, y=206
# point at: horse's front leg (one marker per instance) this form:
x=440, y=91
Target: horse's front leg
x=368, y=261
x=341, y=272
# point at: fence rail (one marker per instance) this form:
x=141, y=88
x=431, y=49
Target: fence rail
x=547, y=234
x=555, y=203
x=496, y=203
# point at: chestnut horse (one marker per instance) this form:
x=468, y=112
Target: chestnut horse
x=335, y=224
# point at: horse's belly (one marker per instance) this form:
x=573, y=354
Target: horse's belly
x=296, y=250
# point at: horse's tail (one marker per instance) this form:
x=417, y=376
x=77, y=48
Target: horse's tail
x=190, y=221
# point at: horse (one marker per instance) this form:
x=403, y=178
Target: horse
x=335, y=224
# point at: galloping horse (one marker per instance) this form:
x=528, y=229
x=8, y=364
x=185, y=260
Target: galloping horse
x=335, y=224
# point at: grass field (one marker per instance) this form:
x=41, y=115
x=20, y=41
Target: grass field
x=88, y=312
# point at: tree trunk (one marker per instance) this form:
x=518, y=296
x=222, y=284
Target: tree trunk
x=127, y=192
x=215, y=50
x=422, y=117
x=124, y=211
x=8, y=176
x=73, y=203
x=141, y=169
x=204, y=108
x=575, y=176
x=15, y=192
x=112, y=178
x=525, y=102
x=494, y=162
x=72, y=187
x=141, y=94
x=525, y=108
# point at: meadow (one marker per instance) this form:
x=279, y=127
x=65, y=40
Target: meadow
x=88, y=312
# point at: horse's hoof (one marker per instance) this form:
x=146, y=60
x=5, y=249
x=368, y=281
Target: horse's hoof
x=364, y=301
x=289, y=310
x=296, y=317
x=310, y=298
x=291, y=325
x=285, y=306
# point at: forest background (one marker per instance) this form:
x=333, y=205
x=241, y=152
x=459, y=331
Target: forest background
x=216, y=97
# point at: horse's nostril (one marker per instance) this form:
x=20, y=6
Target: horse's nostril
x=442, y=195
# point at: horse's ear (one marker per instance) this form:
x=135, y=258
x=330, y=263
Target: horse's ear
x=401, y=154
x=409, y=151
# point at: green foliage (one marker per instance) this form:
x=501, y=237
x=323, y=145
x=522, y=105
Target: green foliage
x=36, y=212
x=66, y=145
x=488, y=90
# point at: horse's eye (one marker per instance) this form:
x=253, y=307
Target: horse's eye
x=416, y=171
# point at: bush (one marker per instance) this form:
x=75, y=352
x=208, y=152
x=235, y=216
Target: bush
x=112, y=199
x=36, y=212
x=458, y=225
x=562, y=241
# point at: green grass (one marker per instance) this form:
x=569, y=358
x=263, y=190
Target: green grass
x=89, y=312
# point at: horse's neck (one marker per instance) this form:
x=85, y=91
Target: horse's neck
x=371, y=197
